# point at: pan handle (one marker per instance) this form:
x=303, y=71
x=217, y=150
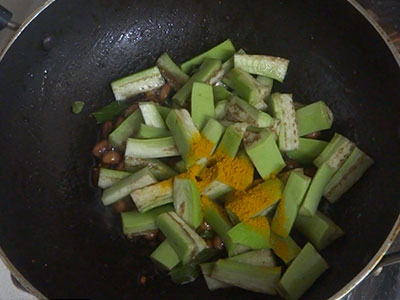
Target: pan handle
x=5, y=19
x=387, y=260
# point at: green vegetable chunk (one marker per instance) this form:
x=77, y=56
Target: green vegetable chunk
x=122, y=188
x=110, y=111
x=126, y=129
x=222, y=52
x=238, y=110
x=202, y=104
x=308, y=150
x=302, y=273
x=187, y=201
x=209, y=68
x=261, y=147
x=77, y=107
x=150, y=132
x=153, y=195
x=151, y=115
x=314, y=117
x=336, y=152
x=247, y=87
x=213, y=131
x=165, y=256
x=220, y=109
x=164, y=111
x=242, y=233
x=171, y=72
x=270, y=66
x=267, y=82
x=262, y=257
x=282, y=109
x=183, y=239
x=135, y=223
x=220, y=93
x=319, y=229
x=293, y=194
x=216, y=189
x=151, y=148
x=108, y=177
x=212, y=284
x=160, y=170
x=132, y=85
x=249, y=277
x=348, y=174
x=285, y=248
x=184, y=132
x=314, y=193
x=231, y=139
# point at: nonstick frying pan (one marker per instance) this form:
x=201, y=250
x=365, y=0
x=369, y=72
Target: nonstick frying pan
x=53, y=228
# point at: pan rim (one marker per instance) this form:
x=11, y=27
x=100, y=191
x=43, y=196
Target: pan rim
x=338, y=295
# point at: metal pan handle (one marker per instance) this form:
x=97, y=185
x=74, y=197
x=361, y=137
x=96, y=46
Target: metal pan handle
x=5, y=19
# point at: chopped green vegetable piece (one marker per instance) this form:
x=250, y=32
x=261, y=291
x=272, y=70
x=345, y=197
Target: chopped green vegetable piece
x=216, y=189
x=308, y=150
x=171, y=72
x=282, y=109
x=183, y=239
x=253, y=278
x=153, y=195
x=336, y=152
x=319, y=229
x=160, y=170
x=77, y=107
x=126, y=129
x=267, y=82
x=182, y=274
x=150, y=132
x=230, y=64
x=110, y=111
x=285, y=248
x=122, y=188
x=261, y=147
x=164, y=111
x=270, y=66
x=314, y=193
x=209, y=68
x=221, y=93
x=151, y=115
x=151, y=148
x=184, y=132
x=314, y=117
x=246, y=235
x=293, y=193
x=238, y=110
x=213, y=131
x=141, y=82
x=302, y=273
x=220, y=109
x=231, y=139
x=212, y=284
x=216, y=216
x=180, y=166
x=222, y=52
x=284, y=176
x=262, y=257
x=247, y=87
x=202, y=102
x=108, y=177
x=349, y=173
x=165, y=256
x=187, y=201
x=135, y=223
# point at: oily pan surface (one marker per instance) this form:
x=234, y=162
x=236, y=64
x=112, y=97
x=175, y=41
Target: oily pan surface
x=52, y=224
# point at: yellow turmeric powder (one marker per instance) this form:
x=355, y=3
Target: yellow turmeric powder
x=166, y=183
x=236, y=172
x=200, y=147
x=257, y=199
x=191, y=173
x=259, y=224
x=207, y=203
x=279, y=222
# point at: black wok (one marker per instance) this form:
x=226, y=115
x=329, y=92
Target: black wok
x=53, y=228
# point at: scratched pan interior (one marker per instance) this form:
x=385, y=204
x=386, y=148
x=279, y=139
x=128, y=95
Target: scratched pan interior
x=52, y=224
